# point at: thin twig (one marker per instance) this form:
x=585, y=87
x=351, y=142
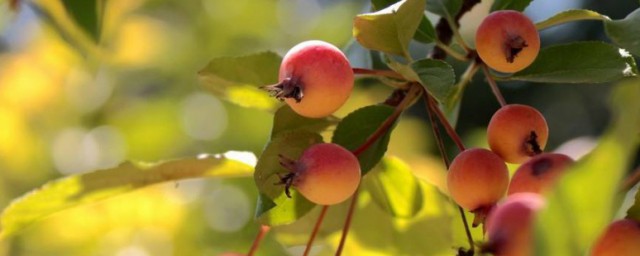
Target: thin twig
x=631, y=180
x=378, y=72
x=443, y=120
x=428, y=101
x=315, y=229
x=493, y=85
x=347, y=223
x=256, y=242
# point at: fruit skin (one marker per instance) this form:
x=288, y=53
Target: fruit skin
x=621, y=238
x=326, y=174
x=510, y=225
x=315, y=77
x=507, y=41
x=517, y=132
x=477, y=178
x=539, y=173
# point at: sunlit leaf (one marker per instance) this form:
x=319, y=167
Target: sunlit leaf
x=437, y=77
x=91, y=187
x=391, y=29
x=237, y=79
x=394, y=188
x=358, y=126
x=517, y=5
x=274, y=207
x=625, y=32
x=425, y=32
x=285, y=119
x=572, y=219
x=580, y=62
x=568, y=16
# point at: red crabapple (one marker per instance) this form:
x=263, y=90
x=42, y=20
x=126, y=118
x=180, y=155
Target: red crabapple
x=539, y=173
x=507, y=41
x=315, y=77
x=621, y=238
x=517, y=132
x=325, y=174
x=510, y=225
x=477, y=179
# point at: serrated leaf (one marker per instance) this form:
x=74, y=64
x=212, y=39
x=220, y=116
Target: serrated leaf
x=290, y=144
x=391, y=29
x=91, y=187
x=237, y=79
x=572, y=221
x=634, y=211
x=517, y=5
x=437, y=77
x=568, y=16
x=358, y=126
x=285, y=119
x=625, y=32
x=580, y=62
x=445, y=8
x=394, y=188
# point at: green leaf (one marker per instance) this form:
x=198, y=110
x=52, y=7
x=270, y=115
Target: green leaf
x=425, y=32
x=85, y=14
x=572, y=221
x=285, y=119
x=90, y=187
x=580, y=62
x=634, y=211
x=445, y=8
x=358, y=126
x=568, y=16
x=290, y=144
x=625, y=32
x=394, y=188
x=518, y=5
x=437, y=76
x=391, y=29
x=237, y=79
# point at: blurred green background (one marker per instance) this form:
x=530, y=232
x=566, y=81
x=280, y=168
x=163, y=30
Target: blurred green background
x=74, y=98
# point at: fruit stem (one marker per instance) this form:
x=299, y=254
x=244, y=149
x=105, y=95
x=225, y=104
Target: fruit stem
x=446, y=28
x=631, y=180
x=315, y=230
x=493, y=85
x=378, y=72
x=451, y=52
x=433, y=107
x=428, y=101
x=414, y=91
x=256, y=242
x=347, y=223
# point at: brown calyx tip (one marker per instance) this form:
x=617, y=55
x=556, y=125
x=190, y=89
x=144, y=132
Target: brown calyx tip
x=287, y=88
x=287, y=179
x=513, y=46
x=541, y=166
x=480, y=215
x=532, y=147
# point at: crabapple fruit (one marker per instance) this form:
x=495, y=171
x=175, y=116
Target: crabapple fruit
x=621, y=238
x=539, y=173
x=507, y=41
x=477, y=179
x=325, y=174
x=315, y=79
x=510, y=225
x=517, y=132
